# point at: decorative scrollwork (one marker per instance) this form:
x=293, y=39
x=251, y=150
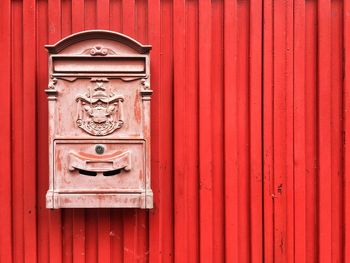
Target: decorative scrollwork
x=99, y=51
x=51, y=89
x=146, y=91
x=52, y=83
x=145, y=83
x=100, y=113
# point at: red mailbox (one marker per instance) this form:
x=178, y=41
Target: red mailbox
x=99, y=121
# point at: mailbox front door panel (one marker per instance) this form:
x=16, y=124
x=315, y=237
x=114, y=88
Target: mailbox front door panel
x=100, y=108
x=99, y=122
x=120, y=168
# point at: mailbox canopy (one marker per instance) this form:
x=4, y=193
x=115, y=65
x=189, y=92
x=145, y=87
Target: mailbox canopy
x=78, y=38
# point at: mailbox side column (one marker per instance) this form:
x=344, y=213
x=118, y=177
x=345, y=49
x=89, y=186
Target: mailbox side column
x=52, y=98
x=146, y=93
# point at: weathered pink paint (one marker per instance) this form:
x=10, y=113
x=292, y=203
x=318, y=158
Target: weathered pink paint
x=99, y=122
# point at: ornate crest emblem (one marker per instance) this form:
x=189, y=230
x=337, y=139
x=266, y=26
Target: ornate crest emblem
x=100, y=112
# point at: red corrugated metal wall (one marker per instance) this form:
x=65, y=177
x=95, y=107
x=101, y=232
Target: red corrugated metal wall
x=250, y=126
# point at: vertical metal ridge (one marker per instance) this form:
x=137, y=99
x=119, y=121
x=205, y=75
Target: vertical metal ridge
x=346, y=112
x=191, y=123
x=336, y=123
x=6, y=253
x=17, y=131
x=205, y=134
x=268, y=135
x=103, y=17
x=217, y=128
x=255, y=129
x=299, y=132
x=115, y=15
x=41, y=132
x=77, y=15
x=311, y=128
x=230, y=132
x=181, y=226
x=103, y=238
x=289, y=79
x=29, y=126
x=324, y=132
x=128, y=17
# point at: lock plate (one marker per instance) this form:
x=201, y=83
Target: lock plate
x=99, y=149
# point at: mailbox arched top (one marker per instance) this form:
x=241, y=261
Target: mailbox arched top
x=98, y=34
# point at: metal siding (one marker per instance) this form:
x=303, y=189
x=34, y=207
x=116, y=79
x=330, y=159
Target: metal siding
x=250, y=126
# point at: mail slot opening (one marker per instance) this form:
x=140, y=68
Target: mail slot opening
x=88, y=173
x=113, y=172
x=107, y=173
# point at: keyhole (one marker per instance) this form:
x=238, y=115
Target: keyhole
x=99, y=149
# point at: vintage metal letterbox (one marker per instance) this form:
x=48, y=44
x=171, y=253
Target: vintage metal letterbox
x=99, y=121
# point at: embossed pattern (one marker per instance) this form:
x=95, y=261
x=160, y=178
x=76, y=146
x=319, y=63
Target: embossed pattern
x=99, y=112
